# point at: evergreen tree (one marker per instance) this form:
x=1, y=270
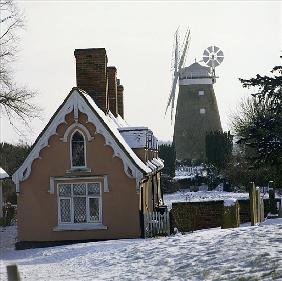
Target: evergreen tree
x=219, y=148
x=12, y=156
x=263, y=131
x=167, y=153
x=259, y=123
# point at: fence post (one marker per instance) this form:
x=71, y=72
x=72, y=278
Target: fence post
x=280, y=209
x=252, y=195
x=272, y=203
x=231, y=215
x=258, y=204
x=13, y=273
x=262, y=210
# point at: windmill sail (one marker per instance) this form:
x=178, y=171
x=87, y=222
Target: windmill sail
x=175, y=73
x=178, y=63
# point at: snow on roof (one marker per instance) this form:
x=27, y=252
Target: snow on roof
x=118, y=121
x=3, y=174
x=121, y=121
x=135, y=138
x=113, y=127
x=133, y=129
x=155, y=164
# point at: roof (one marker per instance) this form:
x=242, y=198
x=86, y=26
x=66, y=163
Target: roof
x=113, y=129
x=195, y=70
x=107, y=125
x=3, y=174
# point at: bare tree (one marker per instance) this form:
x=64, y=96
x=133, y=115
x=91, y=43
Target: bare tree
x=16, y=101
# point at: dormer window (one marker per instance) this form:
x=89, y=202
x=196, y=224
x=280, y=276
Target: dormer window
x=78, y=150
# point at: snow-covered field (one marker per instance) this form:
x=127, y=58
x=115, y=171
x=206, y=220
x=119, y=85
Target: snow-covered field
x=246, y=253
x=186, y=196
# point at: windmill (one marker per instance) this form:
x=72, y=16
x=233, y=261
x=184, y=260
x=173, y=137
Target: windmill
x=179, y=56
x=196, y=111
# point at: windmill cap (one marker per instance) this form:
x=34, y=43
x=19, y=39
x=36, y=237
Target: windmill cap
x=195, y=70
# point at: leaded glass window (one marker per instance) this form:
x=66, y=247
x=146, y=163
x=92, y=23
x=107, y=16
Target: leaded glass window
x=65, y=190
x=93, y=189
x=79, y=202
x=78, y=150
x=79, y=189
x=79, y=209
x=94, y=209
x=65, y=209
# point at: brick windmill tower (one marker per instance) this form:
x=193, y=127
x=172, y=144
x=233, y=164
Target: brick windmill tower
x=196, y=112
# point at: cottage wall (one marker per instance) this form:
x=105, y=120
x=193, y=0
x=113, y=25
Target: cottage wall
x=38, y=208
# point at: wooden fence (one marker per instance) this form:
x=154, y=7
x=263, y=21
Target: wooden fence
x=156, y=224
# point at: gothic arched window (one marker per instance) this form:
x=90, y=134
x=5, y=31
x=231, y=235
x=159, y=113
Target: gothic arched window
x=78, y=150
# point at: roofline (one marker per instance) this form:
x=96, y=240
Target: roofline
x=81, y=92
x=113, y=135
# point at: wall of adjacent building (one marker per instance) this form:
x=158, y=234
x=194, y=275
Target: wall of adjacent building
x=38, y=208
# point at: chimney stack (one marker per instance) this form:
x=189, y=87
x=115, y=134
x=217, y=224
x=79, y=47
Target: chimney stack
x=91, y=74
x=120, y=98
x=112, y=90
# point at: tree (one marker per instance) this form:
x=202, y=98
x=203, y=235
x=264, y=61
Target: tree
x=16, y=101
x=219, y=148
x=258, y=123
x=167, y=153
x=11, y=158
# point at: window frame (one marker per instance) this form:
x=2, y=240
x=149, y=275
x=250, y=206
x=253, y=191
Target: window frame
x=70, y=145
x=71, y=198
x=203, y=111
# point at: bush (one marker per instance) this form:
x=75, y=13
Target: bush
x=9, y=215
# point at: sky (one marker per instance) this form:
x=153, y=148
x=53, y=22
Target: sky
x=138, y=37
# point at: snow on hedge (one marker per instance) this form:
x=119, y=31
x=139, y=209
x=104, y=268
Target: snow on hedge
x=186, y=196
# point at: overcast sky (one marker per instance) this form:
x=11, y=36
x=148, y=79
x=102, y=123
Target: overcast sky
x=138, y=37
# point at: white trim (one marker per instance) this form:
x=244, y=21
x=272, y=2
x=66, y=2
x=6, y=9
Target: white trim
x=106, y=184
x=199, y=81
x=70, y=146
x=79, y=178
x=79, y=226
x=82, y=128
x=78, y=169
x=74, y=103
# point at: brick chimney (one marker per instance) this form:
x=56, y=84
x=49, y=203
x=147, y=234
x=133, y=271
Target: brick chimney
x=91, y=74
x=112, y=89
x=120, y=99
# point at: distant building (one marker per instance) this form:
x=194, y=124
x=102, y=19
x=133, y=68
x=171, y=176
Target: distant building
x=89, y=176
x=196, y=112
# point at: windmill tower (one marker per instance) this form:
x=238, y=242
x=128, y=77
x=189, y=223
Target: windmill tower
x=196, y=112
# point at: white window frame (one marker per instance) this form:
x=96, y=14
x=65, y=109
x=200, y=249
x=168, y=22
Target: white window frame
x=84, y=143
x=88, y=222
x=202, y=111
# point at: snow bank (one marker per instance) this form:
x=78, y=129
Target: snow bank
x=247, y=253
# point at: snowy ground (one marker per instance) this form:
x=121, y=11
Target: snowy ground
x=186, y=196
x=246, y=253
